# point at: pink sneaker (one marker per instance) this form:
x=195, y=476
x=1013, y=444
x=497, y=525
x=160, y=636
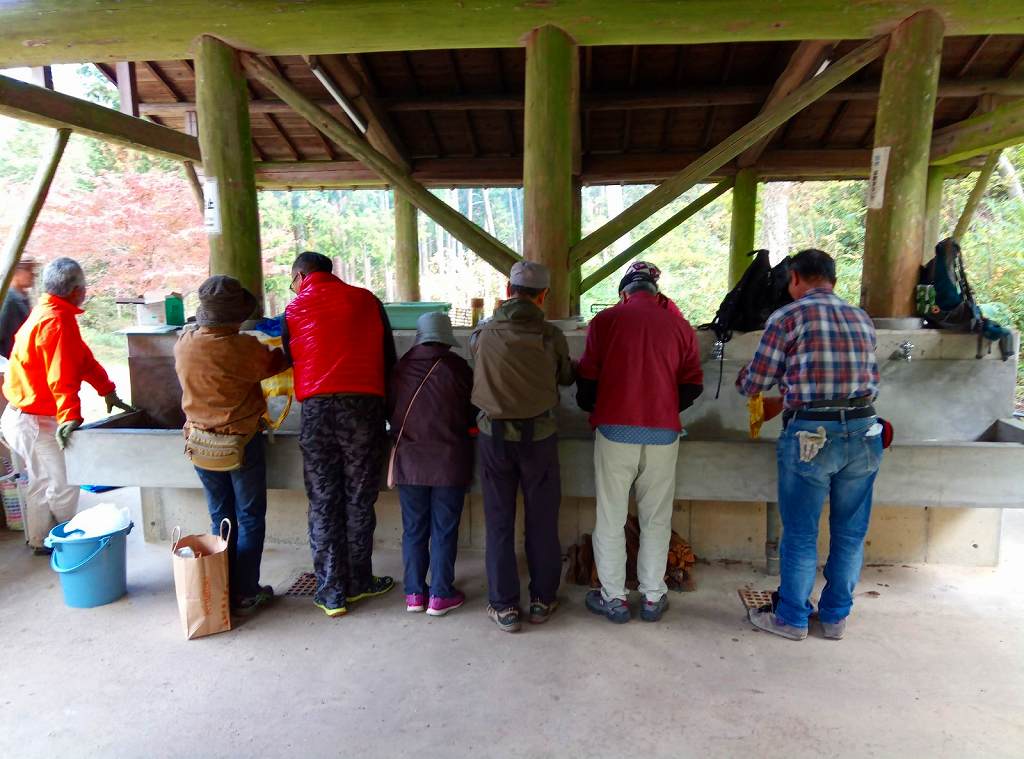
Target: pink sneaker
x=441, y=606
x=415, y=602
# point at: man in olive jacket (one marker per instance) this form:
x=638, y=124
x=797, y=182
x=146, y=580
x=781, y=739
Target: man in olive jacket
x=521, y=359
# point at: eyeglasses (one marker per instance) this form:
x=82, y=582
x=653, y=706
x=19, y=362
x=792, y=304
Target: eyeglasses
x=292, y=287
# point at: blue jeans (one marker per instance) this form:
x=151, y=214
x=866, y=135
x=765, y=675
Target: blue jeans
x=241, y=496
x=844, y=472
x=430, y=515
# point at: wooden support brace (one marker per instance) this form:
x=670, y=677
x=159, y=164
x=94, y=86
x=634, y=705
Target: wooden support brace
x=977, y=193
x=1001, y=127
x=491, y=250
x=728, y=149
x=194, y=183
x=24, y=101
x=127, y=88
x=655, y=234
x=22, y=228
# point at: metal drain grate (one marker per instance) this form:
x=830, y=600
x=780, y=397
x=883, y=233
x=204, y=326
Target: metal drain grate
x=304, y=585
x=753, y=599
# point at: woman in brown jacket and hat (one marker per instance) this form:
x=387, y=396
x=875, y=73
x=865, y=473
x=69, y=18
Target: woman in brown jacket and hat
x=220, y=371
x=432, y=423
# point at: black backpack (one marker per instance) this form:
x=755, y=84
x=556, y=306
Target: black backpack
x=761, y=291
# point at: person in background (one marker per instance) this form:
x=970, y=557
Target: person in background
x=342, y=351
x=521, y=359
x=16, y=306
x=432, y=420
x=639, y=371
x=647, y=270
x=220, y=371
x=48, y=364
x=820, y=351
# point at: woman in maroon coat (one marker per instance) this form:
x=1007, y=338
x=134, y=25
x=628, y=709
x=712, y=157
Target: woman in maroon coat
x=432, y=423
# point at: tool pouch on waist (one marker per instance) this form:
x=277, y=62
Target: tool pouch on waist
x=214, y=451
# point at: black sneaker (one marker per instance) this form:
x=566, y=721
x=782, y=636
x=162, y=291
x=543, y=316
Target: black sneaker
x=507, y=620
x=616, y=610
x=651, y=611
x=541, y=612
x=243, y=607
x=42, y=551
x=378, y=587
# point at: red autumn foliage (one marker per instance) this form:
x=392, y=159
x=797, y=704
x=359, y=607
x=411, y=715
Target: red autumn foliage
x=132, y=232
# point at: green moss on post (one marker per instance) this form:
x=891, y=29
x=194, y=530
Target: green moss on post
x=226, y=143
x=576, y=272
x=903, y=131
x=550, y=107
x=407, y=250
x=933, y=211
x=744, y=220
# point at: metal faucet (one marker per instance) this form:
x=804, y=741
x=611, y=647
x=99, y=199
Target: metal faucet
x=906, y=351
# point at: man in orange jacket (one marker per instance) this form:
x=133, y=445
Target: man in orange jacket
x=47, y=366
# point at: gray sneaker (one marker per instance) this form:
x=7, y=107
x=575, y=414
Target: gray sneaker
x=834, y=630
x=507, y=620
x=651, y=611
x=764, y=619
x=615, y=610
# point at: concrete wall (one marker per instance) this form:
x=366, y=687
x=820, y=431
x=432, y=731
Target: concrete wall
x=717, y=530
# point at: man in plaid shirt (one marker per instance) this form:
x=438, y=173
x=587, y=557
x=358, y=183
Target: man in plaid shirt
x=820, y=351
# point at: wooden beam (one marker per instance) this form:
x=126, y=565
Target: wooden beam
x=729, y=148
x=22, y=228
x=232, y=214
x=169, y=87
x=283, y=136
x=551, y=108
x=37, y=32
x=24, y=101
x=638, y=247
x=617, y=101
x=469, y=234
x=194, y=183
x=896, y=208
x=933, y=211
x=1001, y=127
x=127, y=88
x=803, y=64
x=977, y=193
x=743, y=222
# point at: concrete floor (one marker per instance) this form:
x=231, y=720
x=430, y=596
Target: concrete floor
x=933, y=666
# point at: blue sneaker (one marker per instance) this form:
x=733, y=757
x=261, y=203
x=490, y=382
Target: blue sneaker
x=616, y=610
x=651, y=611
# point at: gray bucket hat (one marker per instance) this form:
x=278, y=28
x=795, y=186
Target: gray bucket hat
x=435, y=327
x=223, y=301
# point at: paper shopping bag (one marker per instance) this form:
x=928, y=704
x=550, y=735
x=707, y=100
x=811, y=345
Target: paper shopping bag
x=201, y=581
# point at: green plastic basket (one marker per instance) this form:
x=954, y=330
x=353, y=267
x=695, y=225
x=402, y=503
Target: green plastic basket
x=404, y=315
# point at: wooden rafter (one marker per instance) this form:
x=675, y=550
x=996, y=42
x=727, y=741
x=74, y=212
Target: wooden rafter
x=107, y=71
x=283, y=136
x=709, y=120
x=27, y=102
x=677, y=78
x=467, y=122
x=155, y=71
x=999, y=128
x=802, y=65
x=510, y=127
x=410, y=73
x=627, y=124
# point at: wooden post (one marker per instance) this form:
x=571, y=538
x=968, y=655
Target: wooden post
x=744, y=220
x=22, y=228
x=42, y=76
x=576, y=271
x=656, y=234
x=233, y=222
x=903, y=133
x=933, y=211
x=407, y=251
x=977, y=193
x=549, y=111
x=127, y=88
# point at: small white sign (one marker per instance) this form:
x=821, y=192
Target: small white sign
x=876, y=188
x=211, y=207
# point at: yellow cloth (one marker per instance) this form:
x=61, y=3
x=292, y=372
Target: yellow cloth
x=755, y=407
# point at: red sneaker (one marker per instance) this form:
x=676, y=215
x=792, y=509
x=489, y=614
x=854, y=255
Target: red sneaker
x=440, y=606
x=415, y=602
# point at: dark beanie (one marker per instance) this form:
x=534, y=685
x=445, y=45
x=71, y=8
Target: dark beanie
x=223, y=301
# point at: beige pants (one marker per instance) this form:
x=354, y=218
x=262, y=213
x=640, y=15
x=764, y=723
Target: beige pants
x=48, y=498
x=651, y=471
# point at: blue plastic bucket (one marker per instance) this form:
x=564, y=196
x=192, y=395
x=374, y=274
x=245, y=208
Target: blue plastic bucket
x=93, y=571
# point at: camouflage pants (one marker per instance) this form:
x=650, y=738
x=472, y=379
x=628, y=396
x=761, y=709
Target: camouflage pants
x=343, y=441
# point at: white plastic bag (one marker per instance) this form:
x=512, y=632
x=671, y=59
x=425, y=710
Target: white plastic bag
x=101, y=519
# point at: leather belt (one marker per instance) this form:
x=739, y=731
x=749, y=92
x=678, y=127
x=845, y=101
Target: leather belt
x=861, y=402
x=840, y=415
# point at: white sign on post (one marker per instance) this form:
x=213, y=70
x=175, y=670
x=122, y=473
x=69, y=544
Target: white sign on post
x=211, y=207
x=876, y=188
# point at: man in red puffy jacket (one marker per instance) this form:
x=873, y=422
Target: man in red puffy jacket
x=342, y=350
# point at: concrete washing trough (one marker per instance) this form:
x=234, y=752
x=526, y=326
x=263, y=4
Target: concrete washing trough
x=957, y=444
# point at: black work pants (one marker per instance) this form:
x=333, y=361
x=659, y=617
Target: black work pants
x=504, y=468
